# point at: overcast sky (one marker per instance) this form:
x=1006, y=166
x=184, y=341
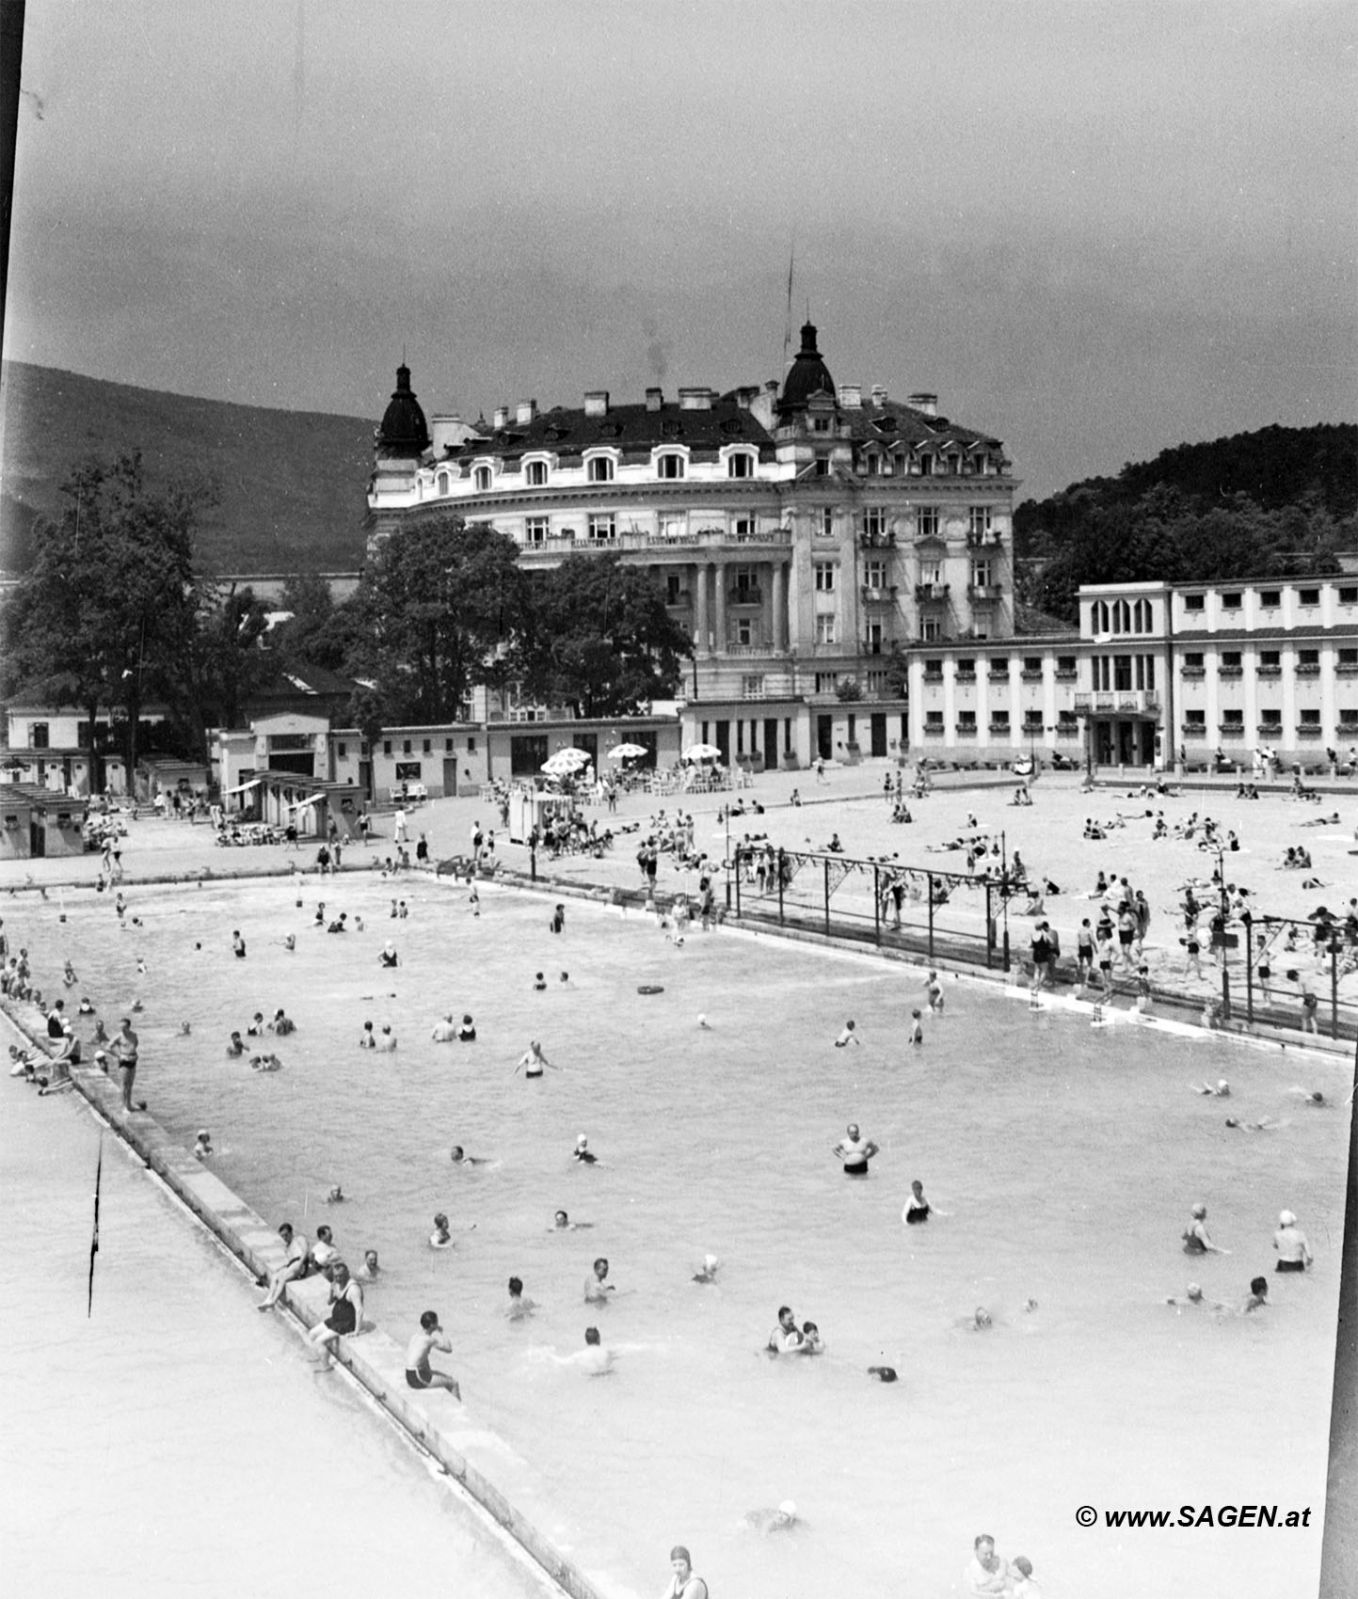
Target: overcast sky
x=1095, y=229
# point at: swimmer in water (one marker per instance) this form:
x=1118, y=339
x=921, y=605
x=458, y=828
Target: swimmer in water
x=335, y=1196
x=848, y=1036
x=385, y=1042
x=1265, y=1124
x=466, y=1031
x=1221, y=1091
x=203, y=1147
x=441, y=1237
x=186, y=1029
x=594, y=1358
x=933, y=990
x=582, y=1152
x=812, y=1343
x=855, y=1152
x=883, y=1373
x=236, y=1046
x=917, y=1207
x=370, y=1270
x=981, y=1320
x=533, y=1060
x=1192, y=1296
x=367, y=1039
x=460, y=1157
x=561, y=1223
x=767, y=1521
x=1258, y=1299
x=786, y=1337
x=597, y=1288
x=703, y=1022
x=518, y=1307
x=1196, y=1239
x=1310, y=1096
x=707, y=1272
x=539, y=983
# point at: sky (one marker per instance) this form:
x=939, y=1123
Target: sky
x=1095, y=229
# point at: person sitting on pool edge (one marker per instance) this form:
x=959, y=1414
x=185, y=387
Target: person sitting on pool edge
x=419, y=1373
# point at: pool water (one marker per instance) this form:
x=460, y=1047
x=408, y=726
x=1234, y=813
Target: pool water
x=1066, y=1159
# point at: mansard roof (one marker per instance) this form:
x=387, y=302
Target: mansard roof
x=629, y=428
x=890, y=423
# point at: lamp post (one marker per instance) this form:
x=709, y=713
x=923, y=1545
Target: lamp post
x=1225, y=915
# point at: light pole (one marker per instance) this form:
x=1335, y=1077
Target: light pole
x=1225, y=915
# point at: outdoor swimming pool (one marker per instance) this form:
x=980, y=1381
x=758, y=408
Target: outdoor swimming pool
x=1065, y=1157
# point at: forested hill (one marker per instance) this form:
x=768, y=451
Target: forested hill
x=291, y=483
x=1263, y=504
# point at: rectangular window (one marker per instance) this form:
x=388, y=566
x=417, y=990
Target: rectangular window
x=1065, y=666
x=1348, y=658
x=931, y=629
x=1231, y=602
x=872, y=638
x=979, y=521
x=1348, y=718
x=535, y=529
x=1270, y=718
x=1193, y=602
x=537, y=474
x=820, y=424
x=1270, y=599
x=405, y=747
x=342, y=749
x=675, y=592
x=471, y=746
x=966, y=668
x=1032, y=666
x=999, y=719
x=874, y=522
x=739, y=465
x=601, y=528
x=825, y=577
x=1122, y=673
x=1032, y=721
x=934, y=719
x=827, y=522
x=39, y=736
x=1348, y=595
x=876, y=682
x=822, y=467
x=407, y=771
x=966, y=720
x=1270, y=658
x=743, y=527
x=827, y=627
x=874, y=574
x=1309, y=718
x=428, y=747
x=931, y=572
x=670, y=466
x=1233, y=718
x=448, y=746
x=827, y=682
x=1196, y=719
x=1308, y=596
x=744, y=630
x=980, y=574
x=386, y=747
x=752, y=685
x=927, y=521
x=933, y=670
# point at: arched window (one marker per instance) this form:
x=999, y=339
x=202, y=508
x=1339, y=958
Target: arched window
x=481, y=478
x=599, y=469
x=1143, y=616
x=669, y=466
x=740, y=464
x=443, y=484
x=1100, y=617
x=535, y=474
x=1122, y=617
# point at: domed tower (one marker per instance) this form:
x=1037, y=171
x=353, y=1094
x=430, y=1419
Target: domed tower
x=807, y=375
x=399, y=441
x=404, y=431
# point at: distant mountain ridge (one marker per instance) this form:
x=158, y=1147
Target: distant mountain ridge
x=292, y=483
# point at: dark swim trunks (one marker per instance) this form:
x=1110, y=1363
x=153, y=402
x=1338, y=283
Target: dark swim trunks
x=914, y=1217
x=419, y=1379
x=858, y=1170
x=1291, y=1265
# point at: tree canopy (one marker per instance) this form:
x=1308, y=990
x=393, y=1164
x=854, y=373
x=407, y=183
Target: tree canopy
x=440, y=607
x=603, y=642
x=1274, y=503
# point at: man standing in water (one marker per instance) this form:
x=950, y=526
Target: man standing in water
x=855, y=1152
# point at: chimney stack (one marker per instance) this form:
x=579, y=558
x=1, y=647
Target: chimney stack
x=596, y=402
x=501, y=418
x=696, y=399
x=654, y=399
x=851, y=396
x=525, y=411
x=928, y=403
x=879, y=393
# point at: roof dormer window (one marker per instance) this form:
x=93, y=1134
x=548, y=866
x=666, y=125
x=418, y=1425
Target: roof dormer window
x=670, y=465
x=535, y=474
x=599, y=469
x=740, y=463
x=481, y=479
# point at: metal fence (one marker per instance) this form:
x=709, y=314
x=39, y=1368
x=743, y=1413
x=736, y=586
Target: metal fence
x=938, y=914
x=1288, y=974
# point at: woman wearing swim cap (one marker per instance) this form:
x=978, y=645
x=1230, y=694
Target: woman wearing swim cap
x=683, y=1584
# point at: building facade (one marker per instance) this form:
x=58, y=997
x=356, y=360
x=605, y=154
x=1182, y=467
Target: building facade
x=801, y=533
x=1156, y=674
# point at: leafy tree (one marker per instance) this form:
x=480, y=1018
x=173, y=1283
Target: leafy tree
x=224, y=662
x=604, y=643
x=440, y=607
x=319, y=632
x=105, y=615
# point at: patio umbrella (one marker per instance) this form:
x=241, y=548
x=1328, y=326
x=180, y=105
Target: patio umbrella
x=702, y=752
x=627, y=752
x=566, y=761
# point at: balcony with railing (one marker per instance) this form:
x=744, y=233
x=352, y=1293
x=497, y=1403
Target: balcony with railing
x=985, y=593
x=878, y=593
x=876, y=540
x=1230, y=671
x=1274, y=669
x=1310, y=730
x=1307, y=669
x=746, y=594
x=931, y=593
x=984, y=541
x=1123, y=702
x=965, y=730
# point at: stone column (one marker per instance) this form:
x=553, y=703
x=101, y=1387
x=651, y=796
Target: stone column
x=719, y=578
x=780, y=605
x=699, y=580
